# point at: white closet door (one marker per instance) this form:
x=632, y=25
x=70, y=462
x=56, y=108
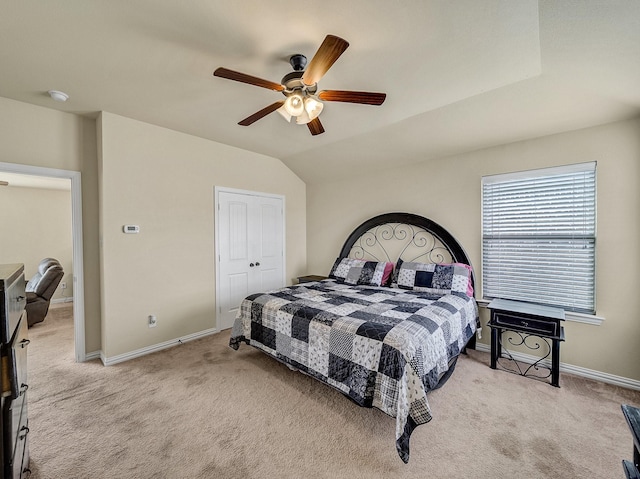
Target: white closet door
x=267, y=247
x=250, y=256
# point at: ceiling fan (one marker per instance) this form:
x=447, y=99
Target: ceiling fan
x=300, y=87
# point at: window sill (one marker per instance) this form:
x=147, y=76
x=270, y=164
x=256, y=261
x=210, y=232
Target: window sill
x=569, y=315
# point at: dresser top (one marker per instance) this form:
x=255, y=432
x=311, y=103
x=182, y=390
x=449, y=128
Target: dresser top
x=9, y=273
x=527, y=308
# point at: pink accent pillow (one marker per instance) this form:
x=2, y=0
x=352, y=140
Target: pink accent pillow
x=469, y=284
x=386, y=276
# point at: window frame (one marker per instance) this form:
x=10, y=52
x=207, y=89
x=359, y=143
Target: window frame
x=580, y=316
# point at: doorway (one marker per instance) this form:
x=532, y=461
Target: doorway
x=77, y=248
x=249, y=242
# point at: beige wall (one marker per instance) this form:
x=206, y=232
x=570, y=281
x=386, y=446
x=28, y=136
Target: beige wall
x=36, y=225
x=164, y=182
x=36, y=136
x=447, y=190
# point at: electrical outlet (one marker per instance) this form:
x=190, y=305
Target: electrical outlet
x=152, y=321
x=63, y=285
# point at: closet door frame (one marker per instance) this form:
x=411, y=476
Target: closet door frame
x=222, y=317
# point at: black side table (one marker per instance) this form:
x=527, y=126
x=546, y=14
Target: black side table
x=310, y=278
x=527, y=320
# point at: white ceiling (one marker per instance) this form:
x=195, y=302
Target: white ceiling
x=459, y=76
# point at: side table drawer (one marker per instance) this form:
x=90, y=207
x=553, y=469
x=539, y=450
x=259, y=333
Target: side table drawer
x=525, y=323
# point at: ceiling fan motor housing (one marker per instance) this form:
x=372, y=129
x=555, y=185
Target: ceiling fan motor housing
x=293, y=82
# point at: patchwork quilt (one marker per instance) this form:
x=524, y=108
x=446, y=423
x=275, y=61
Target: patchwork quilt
x=382, y=347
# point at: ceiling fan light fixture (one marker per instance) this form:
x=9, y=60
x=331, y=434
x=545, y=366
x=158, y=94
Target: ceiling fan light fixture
x=285, y=114
x=303, y=118
x=313, y=107
x=294, y=104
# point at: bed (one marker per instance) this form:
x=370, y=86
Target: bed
x=384, y=328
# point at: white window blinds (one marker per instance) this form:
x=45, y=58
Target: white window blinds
x=538, y=237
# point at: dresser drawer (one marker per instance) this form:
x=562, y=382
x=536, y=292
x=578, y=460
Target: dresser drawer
x=525, y=323
x=25, y=472
x=21, y=453
x=15, y=425
x=17, y=358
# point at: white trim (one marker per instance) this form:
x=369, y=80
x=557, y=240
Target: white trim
x=571, y=369
x=153, y=348
x=568, y=315
x=68, y=299
x=78, y=266
x=583, y=318
x=216, y=261
x=76, y=232
x=247, y=192
x=553, y=170
x=93, y=355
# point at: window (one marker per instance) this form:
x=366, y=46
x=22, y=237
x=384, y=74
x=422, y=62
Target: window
x=539, y=235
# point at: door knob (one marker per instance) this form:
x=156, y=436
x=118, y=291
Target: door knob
x=257, y=264
x=251, y=265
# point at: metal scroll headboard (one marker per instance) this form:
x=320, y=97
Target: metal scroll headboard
x=406, y=236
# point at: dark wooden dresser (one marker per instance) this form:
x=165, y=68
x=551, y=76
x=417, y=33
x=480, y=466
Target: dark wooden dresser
x=632, y=415
x=13, y=323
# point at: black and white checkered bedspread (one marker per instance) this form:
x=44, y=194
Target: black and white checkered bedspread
x=383, y=347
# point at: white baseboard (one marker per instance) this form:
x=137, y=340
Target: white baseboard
x=62, y=300
x=154, y=348
x=571, y=369
x=93, y=355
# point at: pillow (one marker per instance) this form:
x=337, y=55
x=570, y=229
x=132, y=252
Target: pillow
x=469, y=276
x=435, y=278
x=386, y=275
x=358, y=271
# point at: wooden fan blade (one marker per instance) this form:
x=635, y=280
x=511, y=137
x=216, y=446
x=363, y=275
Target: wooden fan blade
x=315, y=127
x=244, y=78
x=364, y=97
x=330, y=50
x=262, y=113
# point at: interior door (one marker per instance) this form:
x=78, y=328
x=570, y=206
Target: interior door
x=250, y=255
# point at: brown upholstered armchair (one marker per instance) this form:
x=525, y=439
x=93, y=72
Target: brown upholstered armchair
x=40, y=288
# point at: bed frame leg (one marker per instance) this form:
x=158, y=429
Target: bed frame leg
x=470, y=344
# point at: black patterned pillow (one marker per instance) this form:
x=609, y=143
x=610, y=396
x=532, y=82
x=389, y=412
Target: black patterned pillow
x=434, y=278
x=357, y=271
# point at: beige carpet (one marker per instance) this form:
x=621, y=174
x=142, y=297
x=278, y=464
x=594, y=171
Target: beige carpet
x=202, y=410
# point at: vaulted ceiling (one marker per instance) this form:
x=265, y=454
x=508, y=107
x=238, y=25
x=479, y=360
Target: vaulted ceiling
x=459, y=76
